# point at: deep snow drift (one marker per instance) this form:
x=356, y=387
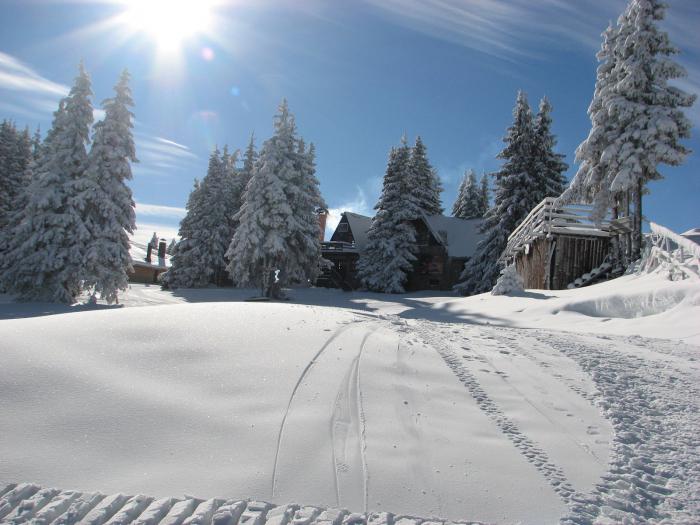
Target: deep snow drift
x=411, y=404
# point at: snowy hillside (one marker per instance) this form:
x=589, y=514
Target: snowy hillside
x=366, y=402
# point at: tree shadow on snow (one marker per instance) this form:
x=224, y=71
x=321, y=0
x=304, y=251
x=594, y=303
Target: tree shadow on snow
x=19, y=310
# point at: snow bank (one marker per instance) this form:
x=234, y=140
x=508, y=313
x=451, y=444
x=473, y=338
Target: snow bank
x=647, y=305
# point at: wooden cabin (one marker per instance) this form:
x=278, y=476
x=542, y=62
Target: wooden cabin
x=148, y=263
x=558, y=246
x=443, y=245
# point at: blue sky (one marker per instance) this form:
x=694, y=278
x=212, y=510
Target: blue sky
x=357, y=74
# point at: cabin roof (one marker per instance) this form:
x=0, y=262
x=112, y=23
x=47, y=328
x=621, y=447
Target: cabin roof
x=138, y=257
x=462, y=234
x=359, y=226
x=458, y=236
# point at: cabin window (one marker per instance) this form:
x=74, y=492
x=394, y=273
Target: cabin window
x=343, y=227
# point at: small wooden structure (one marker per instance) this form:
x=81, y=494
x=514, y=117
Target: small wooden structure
x=443, y=245
x=556, y=245
x=146, y=264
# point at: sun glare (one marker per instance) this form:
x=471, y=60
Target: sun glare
x=169, y=22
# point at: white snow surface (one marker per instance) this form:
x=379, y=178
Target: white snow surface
x=413, y=404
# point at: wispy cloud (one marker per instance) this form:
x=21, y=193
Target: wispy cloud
x=358, y=204
x=512, y=28
x=17, y=76
x=158, y=210
x=144, y=231
x=159, y=156
x=158, y=148
x=504, y=28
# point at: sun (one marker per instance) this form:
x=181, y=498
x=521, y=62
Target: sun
x=169, y=23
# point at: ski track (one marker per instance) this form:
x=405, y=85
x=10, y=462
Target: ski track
x=348, y=433
x=330, y=340
x=528, y=448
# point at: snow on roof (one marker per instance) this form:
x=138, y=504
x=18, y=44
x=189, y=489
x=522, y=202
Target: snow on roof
x=693, y=234
x=138, y=256
x=359, y=226
x=460, y=236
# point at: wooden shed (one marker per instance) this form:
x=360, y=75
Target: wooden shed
x=148, y=263
x=558, y=246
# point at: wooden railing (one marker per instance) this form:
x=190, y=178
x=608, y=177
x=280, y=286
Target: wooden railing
x=549, y=217
x=666, y=250
x=338, y=246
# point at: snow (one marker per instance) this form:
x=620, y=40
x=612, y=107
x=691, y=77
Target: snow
x=462, y=234
x=359, y=226
x=502, y=409
x=693, y=234
x=138, y=253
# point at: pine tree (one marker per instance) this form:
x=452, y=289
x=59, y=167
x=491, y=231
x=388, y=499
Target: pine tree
x=186, y=255
x=427, y=187
x=47, y=238
x=508, y=282
x=515, y=196
x=272, y=233
x=170, y=250
x=484, y=201
x=637, y=118
x=390, y=251
x=468, y=204
x=104, y=199
x=205, y=231
x=15, y=157
x=305, y=245
x=588, y=184
x=549, y=166
x=249, y=159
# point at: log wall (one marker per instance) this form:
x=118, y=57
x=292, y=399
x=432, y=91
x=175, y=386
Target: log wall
x=552, y=263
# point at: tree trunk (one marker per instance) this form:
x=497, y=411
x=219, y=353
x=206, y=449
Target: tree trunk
x=637, y=233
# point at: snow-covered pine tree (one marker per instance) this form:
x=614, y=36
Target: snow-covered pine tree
x=44, y=258
x=484, y=200
x=515, y=196
x=468, y=204
x=249, y=159
x=305, y=245
x=427, y=186
x=549, y=166
x=637, y=118
x=104, y=199
x=179, y=275
x=15, y=157
x=271, y=234
x=508, y=282
x=170, y=250
x=200, y=257
x=588, y=184
x=648, y=112
x=390, y=251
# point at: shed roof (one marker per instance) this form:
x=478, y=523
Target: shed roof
x=138, y=256
x=693, y=234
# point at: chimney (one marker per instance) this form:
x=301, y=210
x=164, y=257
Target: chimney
x=149, y=249
x=322, y=216
x=161, y=249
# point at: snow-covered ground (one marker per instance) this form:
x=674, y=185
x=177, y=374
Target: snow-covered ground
x=500, y=409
